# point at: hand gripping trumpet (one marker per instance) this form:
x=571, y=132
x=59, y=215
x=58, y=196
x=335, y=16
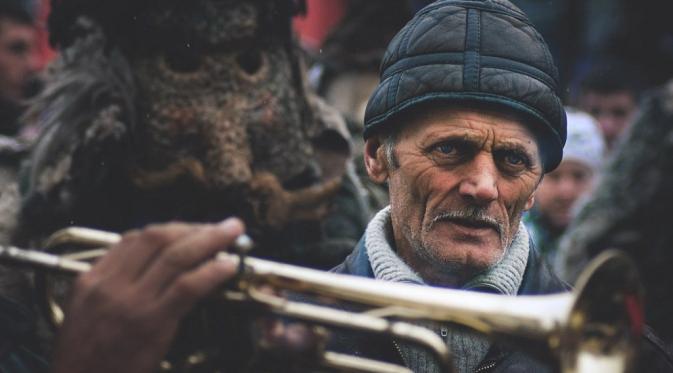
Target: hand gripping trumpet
x=594, y=328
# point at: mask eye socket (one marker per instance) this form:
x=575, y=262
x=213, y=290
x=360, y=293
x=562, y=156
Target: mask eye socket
x=183, y=60
x=250, y=61
x=19, y=48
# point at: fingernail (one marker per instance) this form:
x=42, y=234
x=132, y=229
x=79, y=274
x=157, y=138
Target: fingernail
x=231, y=224
x=226, y=265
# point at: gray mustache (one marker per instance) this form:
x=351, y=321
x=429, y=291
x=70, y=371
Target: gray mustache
x=470, y=215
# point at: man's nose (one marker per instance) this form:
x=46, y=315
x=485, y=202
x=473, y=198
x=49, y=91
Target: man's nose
x=606, y=122
x=479, y=184
x=567, y=189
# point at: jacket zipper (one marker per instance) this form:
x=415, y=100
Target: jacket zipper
x=399, y=351
x=443, y=331
x=487, y=366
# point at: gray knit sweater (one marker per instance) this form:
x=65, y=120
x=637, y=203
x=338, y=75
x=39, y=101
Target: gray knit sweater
x=504, y=277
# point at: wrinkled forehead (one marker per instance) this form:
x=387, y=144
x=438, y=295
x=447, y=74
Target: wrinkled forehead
x=483, y=126
x=509, y=125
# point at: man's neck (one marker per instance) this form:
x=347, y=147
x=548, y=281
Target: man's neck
x=448, y=275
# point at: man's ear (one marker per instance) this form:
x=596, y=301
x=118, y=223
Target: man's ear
x=530, y=202
x=375, y=160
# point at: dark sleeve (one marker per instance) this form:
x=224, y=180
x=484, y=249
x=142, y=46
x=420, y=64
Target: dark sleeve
x=18, y=346
x=654, y=356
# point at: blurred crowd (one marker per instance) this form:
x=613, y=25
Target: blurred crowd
x=611, y=190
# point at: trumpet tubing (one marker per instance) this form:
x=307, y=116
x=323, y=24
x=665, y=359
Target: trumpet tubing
x=593, y=328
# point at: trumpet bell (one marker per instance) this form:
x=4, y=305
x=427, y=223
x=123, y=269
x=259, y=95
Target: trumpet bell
x=606, y=319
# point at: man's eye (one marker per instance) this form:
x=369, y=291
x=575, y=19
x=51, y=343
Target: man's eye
x=451, y=152
x=445, y=148
x=580, y=176
x=514, y=159
x=619, y=113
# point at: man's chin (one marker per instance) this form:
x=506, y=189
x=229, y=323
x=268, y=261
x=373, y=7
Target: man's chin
x=476, y=255
x=455, y=236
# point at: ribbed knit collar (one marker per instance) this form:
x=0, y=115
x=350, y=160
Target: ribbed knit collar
x=385, y=263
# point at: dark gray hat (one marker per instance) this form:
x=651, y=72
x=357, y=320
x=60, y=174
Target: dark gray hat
x=473, y=52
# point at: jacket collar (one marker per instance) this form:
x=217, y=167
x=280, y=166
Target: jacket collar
x=538, y=278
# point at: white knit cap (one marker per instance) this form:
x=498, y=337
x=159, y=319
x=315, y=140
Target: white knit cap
x=585, y=142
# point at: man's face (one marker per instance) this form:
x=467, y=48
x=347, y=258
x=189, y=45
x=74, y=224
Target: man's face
x=560, y=189
x=18, y=62
x=613, y=111
x=463, y=180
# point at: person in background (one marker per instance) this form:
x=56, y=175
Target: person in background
x=346, y=71
x=18, y=63
x=561, y=191
x=610, y=93
x=19, y=348
x=18, y=80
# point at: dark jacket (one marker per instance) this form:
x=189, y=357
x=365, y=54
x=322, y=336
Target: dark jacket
x=18, y=344
x=538, y=279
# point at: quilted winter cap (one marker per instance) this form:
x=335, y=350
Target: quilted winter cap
x=482, y=52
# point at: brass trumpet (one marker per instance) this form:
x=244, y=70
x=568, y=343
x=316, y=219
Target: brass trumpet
x=590, y=329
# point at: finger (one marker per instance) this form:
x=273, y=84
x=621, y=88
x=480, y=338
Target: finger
x=189, y=252
x=300, y=339
x=131, y=256
x=288, y=338
x=192, y=286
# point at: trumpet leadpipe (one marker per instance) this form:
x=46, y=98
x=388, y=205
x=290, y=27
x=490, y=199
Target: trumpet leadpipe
x=43, y=260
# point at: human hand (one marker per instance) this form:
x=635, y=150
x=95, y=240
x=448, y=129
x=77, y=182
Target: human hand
x=124, y=313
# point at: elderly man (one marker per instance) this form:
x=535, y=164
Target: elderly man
x=462, y=127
